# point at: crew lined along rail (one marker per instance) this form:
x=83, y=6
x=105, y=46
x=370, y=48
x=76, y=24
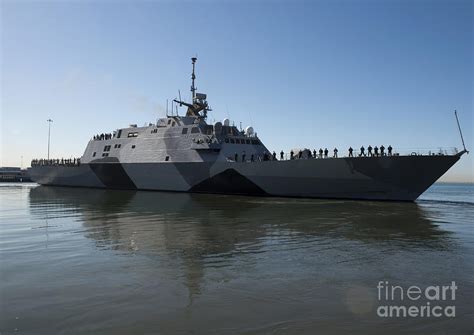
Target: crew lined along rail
x=292, y=155
x=325, y=154
x=56, y=162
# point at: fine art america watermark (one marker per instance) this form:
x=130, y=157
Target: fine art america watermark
x=414, y=301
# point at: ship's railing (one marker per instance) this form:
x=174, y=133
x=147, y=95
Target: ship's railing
x=69, y=162
x=440, y=151
x=309, y=154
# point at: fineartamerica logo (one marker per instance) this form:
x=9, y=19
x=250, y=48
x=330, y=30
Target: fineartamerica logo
x=414, y=301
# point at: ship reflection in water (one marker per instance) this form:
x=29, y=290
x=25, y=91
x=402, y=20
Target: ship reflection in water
x=138, y=262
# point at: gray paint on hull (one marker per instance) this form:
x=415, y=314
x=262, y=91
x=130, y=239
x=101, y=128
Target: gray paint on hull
x=384, y=178
x=65, y=176
x=411, y=174
x=113, y=175
x=228, y=182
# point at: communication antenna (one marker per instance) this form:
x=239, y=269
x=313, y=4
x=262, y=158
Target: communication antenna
x=193, y=76
x=460, y=132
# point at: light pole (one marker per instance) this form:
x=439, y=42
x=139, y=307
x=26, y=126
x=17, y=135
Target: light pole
x=49, y=133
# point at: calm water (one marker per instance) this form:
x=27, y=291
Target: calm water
x=87, y=261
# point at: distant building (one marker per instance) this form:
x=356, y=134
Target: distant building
x=14, y=174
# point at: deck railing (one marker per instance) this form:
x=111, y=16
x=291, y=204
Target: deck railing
x=305, y=154
x=56, y=162
x=308, y=154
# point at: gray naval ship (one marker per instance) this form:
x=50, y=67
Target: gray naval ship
x=186, y=154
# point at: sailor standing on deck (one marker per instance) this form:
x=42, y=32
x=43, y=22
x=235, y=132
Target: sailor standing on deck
x=281, y=155
x=320, y=153
x=369, y=150
x=326, y=151
x=350, y=152
x=314, y=153
x=292, y=154
x=389, y=150
x=274, y=155
x=335, y=153
x=243, y=156
x=362, y=151
x=376, y=151
x=382, y=150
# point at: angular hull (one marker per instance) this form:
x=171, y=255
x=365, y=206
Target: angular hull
x=396, y=178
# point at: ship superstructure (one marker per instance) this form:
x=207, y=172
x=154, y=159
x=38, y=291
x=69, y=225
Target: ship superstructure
x=185, y=153
x=178, y=139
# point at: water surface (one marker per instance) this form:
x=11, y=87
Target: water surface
x=88, y=261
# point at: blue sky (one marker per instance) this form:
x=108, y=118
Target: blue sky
x=302, y=73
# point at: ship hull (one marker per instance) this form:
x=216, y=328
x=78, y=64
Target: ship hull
x=396, y=178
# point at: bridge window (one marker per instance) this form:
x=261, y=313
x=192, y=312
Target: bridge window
x=194, y=130
x=255, y=142
x=247, y=141
x=185, y=131
x=226, y=140
x=107, y=148
x=133, y=146
x=167, y=158
x=232, y=140
x=93, y=155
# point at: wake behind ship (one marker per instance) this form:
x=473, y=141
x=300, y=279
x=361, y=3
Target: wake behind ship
x=186, y=154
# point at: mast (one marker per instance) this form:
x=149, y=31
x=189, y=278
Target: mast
x=199, y=103
x=193, y=76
